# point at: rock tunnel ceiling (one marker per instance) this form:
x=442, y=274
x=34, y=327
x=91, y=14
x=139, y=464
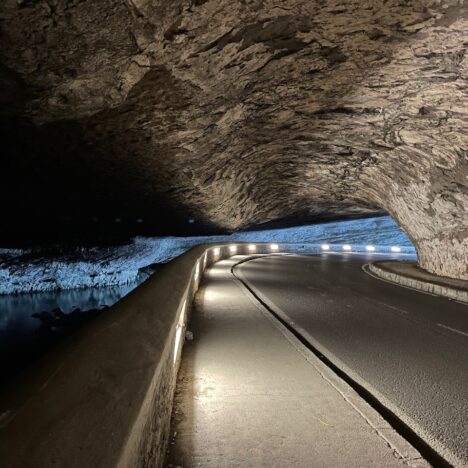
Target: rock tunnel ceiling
x=236, y=113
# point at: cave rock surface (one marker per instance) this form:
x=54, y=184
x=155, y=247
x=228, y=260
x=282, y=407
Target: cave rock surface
x=236, y=113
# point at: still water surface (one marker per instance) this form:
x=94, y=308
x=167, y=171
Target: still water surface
x=24, y=337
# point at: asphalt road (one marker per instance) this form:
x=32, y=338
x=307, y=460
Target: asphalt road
x=408, y=349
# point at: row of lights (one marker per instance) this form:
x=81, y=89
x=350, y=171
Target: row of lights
x=324, y=247
x=369, y=248
x=250, y=247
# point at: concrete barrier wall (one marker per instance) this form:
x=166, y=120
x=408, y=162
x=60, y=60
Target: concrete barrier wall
x=338, y=248
x=425, y=286
x=104, y=397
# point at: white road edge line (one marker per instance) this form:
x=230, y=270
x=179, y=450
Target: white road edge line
x=390, y=306
x=452, y=329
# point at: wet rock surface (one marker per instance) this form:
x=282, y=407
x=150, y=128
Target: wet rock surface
x=235, y=114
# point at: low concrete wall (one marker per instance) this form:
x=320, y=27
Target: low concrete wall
x=338, y=248
x=104, y=397
x=425, y=286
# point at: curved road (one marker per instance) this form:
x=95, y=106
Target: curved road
x=409, y=349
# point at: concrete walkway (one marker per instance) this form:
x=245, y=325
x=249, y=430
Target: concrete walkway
x=250, y=395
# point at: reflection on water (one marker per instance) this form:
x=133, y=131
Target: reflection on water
x=24, y=337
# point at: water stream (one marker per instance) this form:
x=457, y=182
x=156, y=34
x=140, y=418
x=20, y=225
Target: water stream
x=30, y=324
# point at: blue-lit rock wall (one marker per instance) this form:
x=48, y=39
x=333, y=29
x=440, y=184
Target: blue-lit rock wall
x=28, y=271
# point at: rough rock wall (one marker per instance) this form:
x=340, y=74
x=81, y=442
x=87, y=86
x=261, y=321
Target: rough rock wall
x=248, y=111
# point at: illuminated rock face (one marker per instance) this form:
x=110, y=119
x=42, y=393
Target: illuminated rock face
x=238, y=113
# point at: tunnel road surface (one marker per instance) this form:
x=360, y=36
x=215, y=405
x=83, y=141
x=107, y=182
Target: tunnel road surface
x=409, y=350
